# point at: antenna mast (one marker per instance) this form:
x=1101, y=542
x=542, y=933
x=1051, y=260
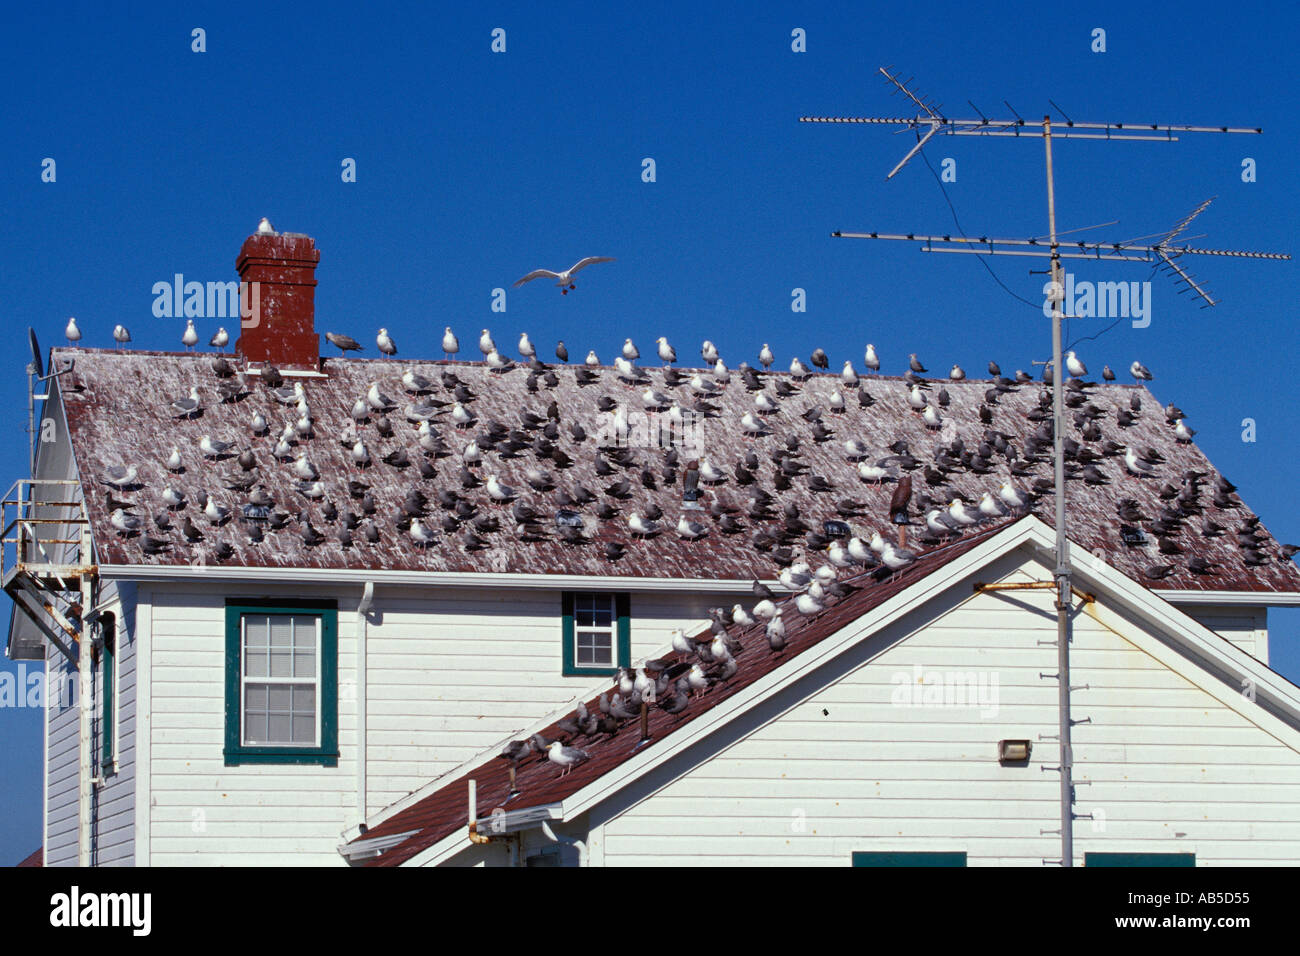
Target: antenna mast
x=929, y=122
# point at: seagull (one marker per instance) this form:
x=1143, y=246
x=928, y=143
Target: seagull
x=528, y=350
x=566, y=757
x=485, y=343
x=563, y=279
x=187, y=407
x=385, y=343
x=212, y=448
x=124, y=523
x=690, y=529
x=1107, y=374
x=765, y=357
x=120, y=335
x=1140, y=372
x=591, y=360
x=264, y=228
x=1074, y=366
x=344, y=343
x=173, y=462
x=498, y=491
x=630, y=352
x=957, y=374
x=449, y=344
x=420, y=534
x=776, y=633
x=191, y=337
x=871, y=359
x=303, y=468
x=119, y=476
x=72, y=333
x=1136, y=465
x=216, y=513
x=377, y=399
x=667, y=354
x=915, y=365
x=218, y=341
x=820, y=360
x=709, y=352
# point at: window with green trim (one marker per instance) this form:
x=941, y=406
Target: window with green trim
x=909, y=858
x=597, y=632
x=1139, y=859
x=282, y=682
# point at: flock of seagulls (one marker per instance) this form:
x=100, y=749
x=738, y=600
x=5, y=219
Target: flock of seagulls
x=434, y=438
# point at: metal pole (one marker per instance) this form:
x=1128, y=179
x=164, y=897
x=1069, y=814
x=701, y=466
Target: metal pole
x=1062, y=572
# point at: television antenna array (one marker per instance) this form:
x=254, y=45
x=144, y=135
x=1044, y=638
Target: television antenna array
x=928, y=122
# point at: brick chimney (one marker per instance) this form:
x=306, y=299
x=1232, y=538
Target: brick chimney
x=282, y=330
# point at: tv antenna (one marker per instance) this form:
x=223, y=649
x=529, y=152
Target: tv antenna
x=928, y=122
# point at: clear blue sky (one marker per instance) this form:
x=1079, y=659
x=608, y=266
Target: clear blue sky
x=474, y=167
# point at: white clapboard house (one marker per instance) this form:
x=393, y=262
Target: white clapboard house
x=313, y=646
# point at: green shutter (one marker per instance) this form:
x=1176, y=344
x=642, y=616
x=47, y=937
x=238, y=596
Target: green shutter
x=566, y=654
x=327, y=754
x=623, y=608
x=904, y=858
x=107, y=724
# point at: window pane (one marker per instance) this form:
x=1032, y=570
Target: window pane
x=595, y=649
x=281, y=662
x=281, y=631
x=255, y=637
x=278, y=729
x=278, y=696
x=304, y=699
x=255, y=630
x=304, y=662
x=304, y=730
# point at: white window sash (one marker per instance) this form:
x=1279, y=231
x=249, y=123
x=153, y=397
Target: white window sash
x=245, y=680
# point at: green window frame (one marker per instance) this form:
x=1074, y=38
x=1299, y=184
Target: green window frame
x=108, y=693
x=1139, y=859
x=620, y=631
x=909, y=858
x=326, y=752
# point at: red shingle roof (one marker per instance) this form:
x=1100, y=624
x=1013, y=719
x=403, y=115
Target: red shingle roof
x=118, y=410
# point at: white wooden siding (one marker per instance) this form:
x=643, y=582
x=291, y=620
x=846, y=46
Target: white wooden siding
x=452, y=672
x=113, y=804
x=1245, y=627
x=61, y=728
x=830, y=768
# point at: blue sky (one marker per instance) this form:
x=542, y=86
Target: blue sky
x=474, y=167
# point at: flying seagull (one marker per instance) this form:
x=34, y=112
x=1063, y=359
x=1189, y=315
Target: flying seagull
x=563, y=279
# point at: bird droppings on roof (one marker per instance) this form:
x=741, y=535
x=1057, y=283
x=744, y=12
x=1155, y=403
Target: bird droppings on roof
x=339, y=481
x=539, y=780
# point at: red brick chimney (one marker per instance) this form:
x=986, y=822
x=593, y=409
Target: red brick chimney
x=282, y=329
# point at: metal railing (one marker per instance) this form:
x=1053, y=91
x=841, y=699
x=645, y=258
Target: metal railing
x=45, y=528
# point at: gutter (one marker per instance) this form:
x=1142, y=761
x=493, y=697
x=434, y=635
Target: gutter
x=331, y=576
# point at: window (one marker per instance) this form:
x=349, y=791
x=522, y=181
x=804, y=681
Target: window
x=1139, y=859
x=282, y=683
x=597, y=632
x=903, y=858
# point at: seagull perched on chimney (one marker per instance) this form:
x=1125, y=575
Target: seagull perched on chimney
x=191, y=337
x=563, y=279
x=264, y=228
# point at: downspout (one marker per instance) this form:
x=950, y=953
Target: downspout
x=363, y=627
x=567, y=841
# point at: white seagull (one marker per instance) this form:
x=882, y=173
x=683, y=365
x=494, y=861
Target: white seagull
x=120, y=335
x=449, y=344
x=191, y=337
x=765, y=357
x=563, y=279
x=73, y=334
